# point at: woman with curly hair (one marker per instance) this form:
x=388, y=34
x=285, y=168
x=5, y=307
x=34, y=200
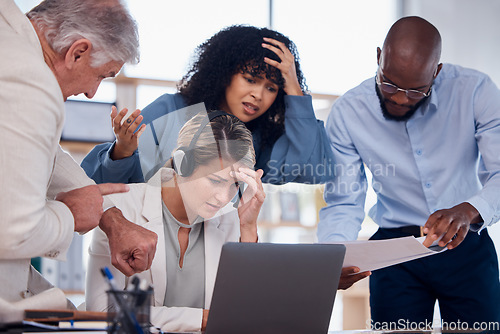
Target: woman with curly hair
x=251, y=73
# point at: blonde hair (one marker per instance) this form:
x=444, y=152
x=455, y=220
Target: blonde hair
x=225, y=136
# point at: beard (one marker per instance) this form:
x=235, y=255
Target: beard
x=391, y=117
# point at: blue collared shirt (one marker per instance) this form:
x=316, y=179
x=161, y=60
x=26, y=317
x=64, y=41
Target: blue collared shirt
x=437, y=159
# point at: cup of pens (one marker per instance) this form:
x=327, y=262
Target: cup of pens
x=129, y=310
x=131, y=314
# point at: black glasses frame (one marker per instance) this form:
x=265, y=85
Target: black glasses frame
x=393, y=89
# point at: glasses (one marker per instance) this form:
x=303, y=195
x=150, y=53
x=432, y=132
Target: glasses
x=393, y=89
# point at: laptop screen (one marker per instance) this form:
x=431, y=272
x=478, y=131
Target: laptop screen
x=87, y=121
x=275, y=288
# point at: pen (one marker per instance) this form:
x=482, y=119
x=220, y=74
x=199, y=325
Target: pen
x=134, y=286
x=240, y=194
x=144, y=290
x=109, y=277
x=131, y=321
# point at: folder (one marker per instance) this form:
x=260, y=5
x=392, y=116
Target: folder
x=63, y=315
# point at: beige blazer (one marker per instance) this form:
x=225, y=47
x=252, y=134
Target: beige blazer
x=33, y=167
x=143, y=205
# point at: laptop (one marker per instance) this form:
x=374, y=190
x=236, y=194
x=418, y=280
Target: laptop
x=275, y=288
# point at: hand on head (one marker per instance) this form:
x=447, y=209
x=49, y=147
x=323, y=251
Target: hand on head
x=286, y=66
x=251, y=201
x=252, y=178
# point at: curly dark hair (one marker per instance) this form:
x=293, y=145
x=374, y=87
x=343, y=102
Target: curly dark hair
x=236, y=49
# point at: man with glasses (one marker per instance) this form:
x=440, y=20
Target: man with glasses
x=430, y=135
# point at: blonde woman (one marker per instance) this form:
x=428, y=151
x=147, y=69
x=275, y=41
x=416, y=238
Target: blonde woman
x=193, y=217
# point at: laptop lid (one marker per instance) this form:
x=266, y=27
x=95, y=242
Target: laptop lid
x=275, y=288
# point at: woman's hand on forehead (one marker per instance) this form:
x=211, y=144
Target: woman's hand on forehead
x=287, y=65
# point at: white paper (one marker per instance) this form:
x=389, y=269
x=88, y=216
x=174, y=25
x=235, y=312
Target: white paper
x=375, y=254
x=53, y=298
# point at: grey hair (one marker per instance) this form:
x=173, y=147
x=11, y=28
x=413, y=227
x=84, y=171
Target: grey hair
x=224, y=137
x=106, y=24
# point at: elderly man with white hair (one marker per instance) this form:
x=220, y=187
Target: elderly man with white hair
x=58, y=49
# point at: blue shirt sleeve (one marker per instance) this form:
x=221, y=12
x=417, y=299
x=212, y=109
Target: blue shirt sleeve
x=98, y=163
x=101, y=168
x=486, y=102
x=302, y=154
x=345, y=194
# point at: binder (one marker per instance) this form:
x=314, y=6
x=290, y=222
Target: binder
x=63, y=315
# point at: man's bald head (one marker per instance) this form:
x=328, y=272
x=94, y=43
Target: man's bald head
x=412, y=43
x=409, y=60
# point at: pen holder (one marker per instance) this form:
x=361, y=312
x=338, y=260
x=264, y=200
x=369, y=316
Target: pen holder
x=129, y=311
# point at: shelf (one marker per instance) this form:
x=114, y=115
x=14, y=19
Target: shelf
x=77, y=149
x=77, y=146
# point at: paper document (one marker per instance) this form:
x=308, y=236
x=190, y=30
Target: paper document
x=375, y=254
x=14, y=311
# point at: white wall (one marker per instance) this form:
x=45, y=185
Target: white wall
x=470, y=30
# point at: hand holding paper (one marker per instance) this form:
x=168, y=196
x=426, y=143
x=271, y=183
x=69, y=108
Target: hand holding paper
x=351, y=275
x=449, y=227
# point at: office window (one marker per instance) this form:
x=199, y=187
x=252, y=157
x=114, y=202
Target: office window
x=337, y=40
x=105, y=93
x=26, y=5
x=171, y=30
x=148, y=93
